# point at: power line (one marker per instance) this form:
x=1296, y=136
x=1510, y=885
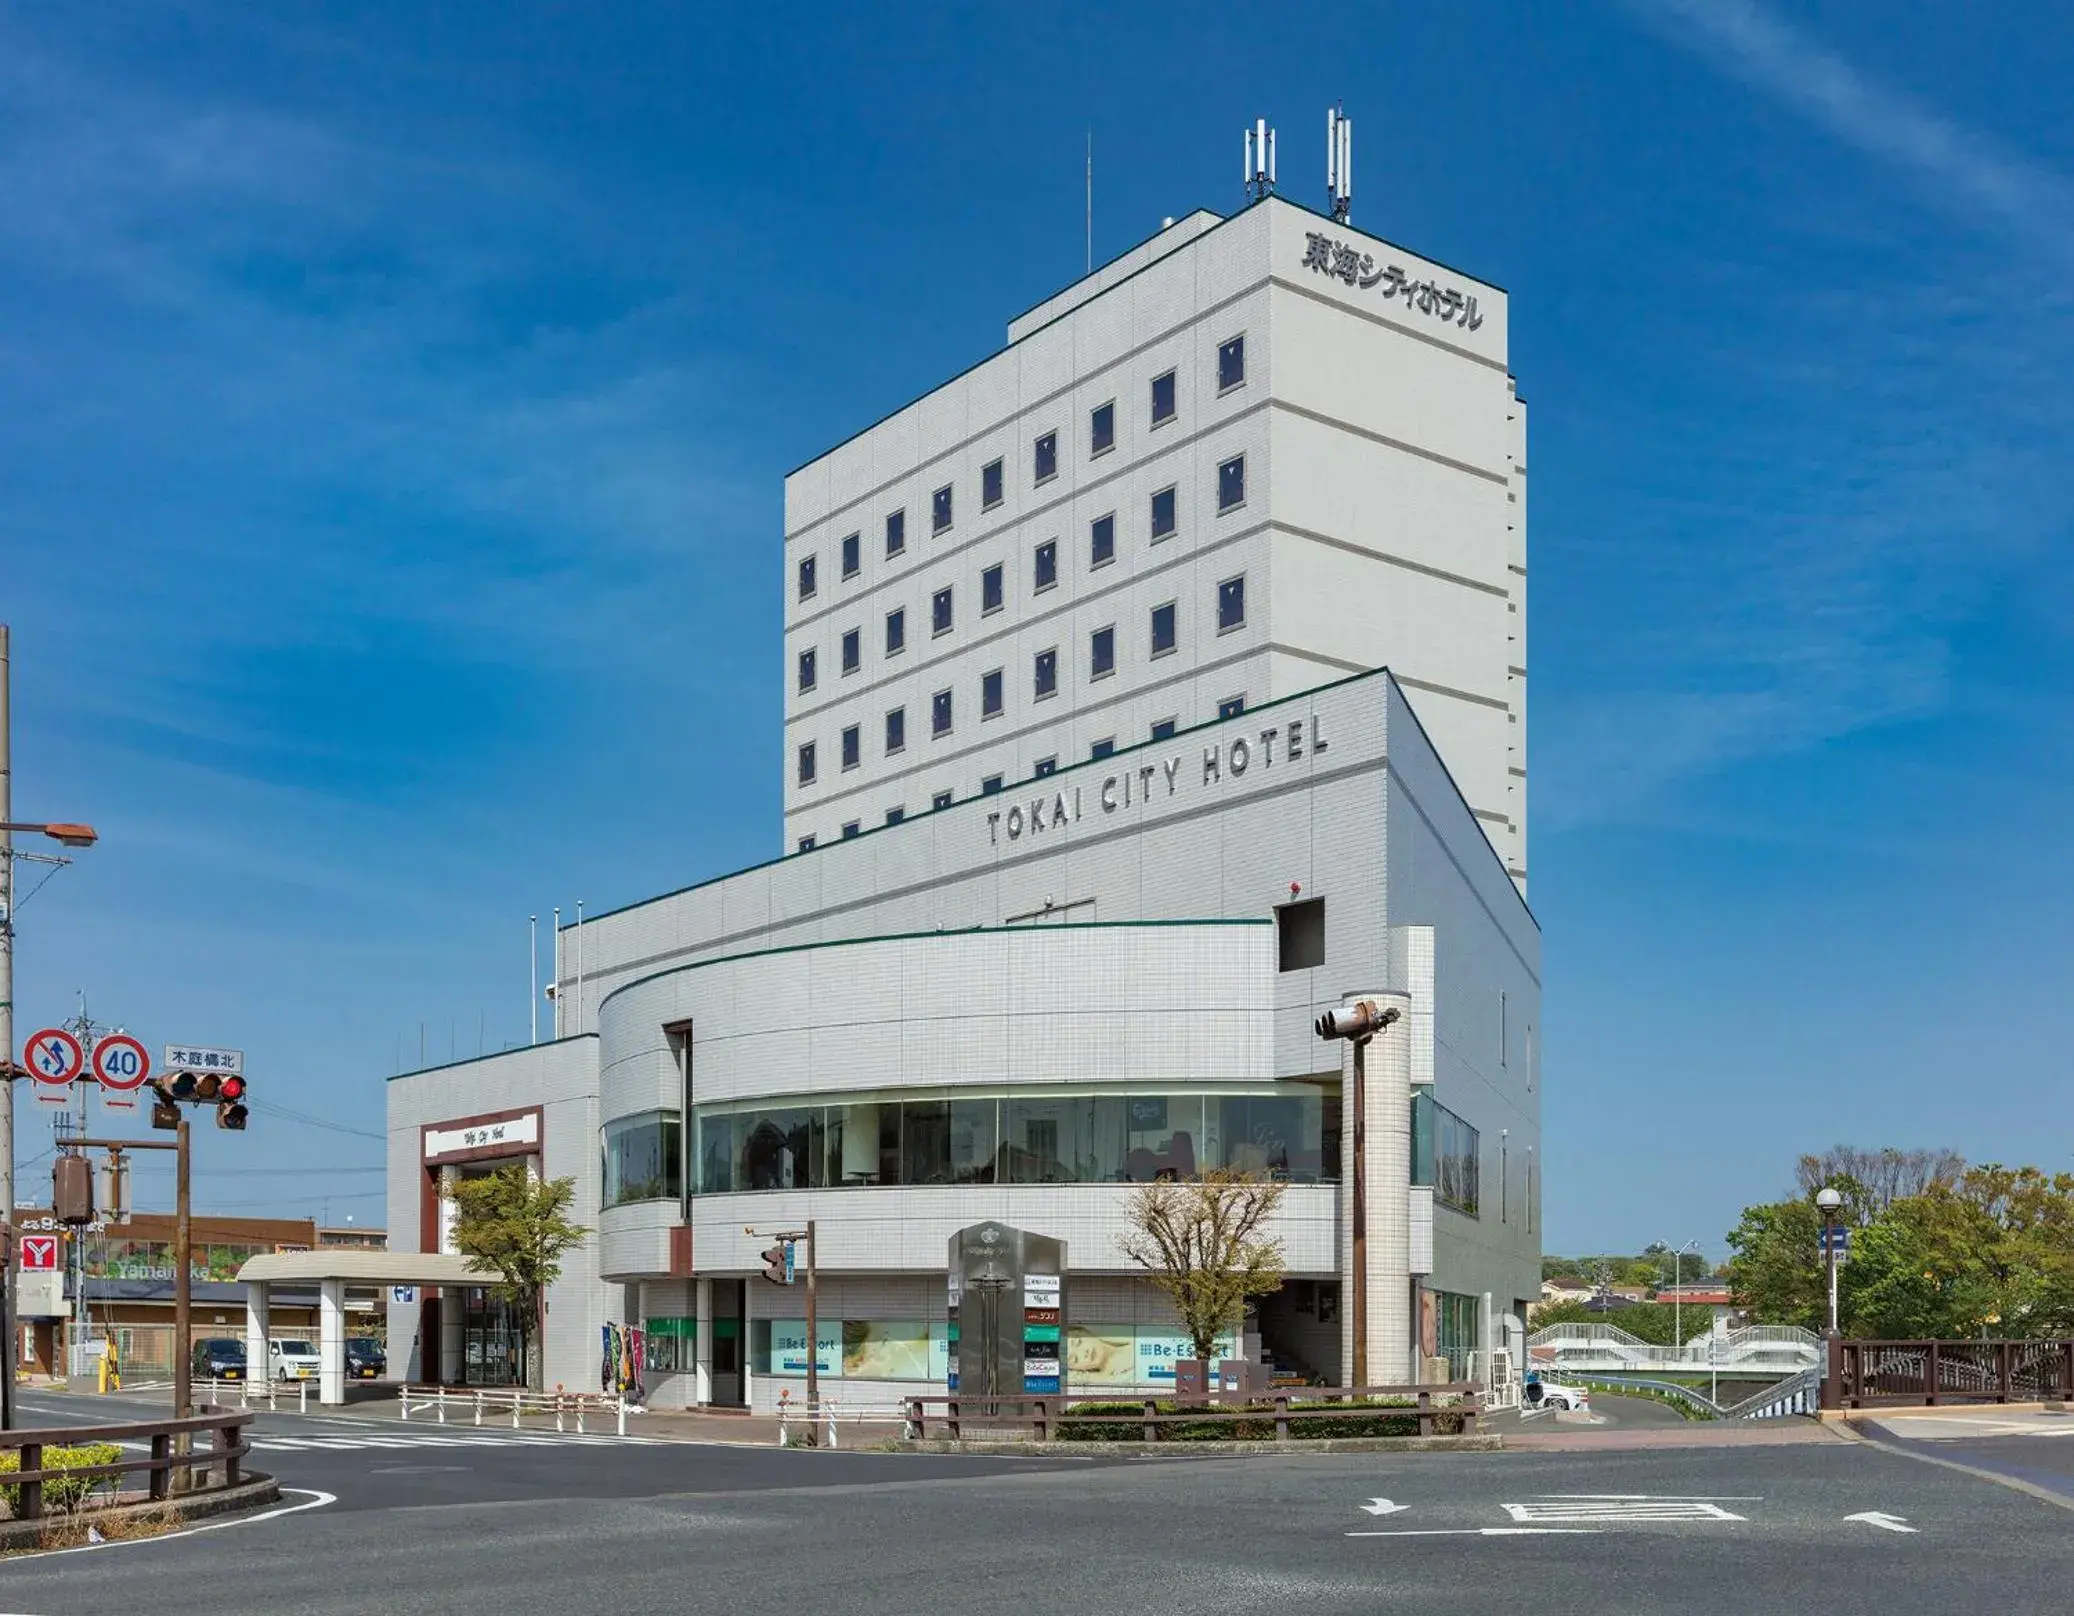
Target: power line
x=268, y=1108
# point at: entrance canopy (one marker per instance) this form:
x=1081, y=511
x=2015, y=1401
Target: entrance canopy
x=332, y=1269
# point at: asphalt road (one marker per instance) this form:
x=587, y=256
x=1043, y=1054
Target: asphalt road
x=526, y=1528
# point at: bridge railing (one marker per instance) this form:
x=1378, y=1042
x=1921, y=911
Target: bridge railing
x=1924, y=1374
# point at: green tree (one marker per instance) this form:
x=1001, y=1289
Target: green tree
x=517, y=1227
x=1201, y=1243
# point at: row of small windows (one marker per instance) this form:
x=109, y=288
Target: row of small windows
x=1044, y=574
x=1164, y=639
x=1164, y=729
x=1231, y=372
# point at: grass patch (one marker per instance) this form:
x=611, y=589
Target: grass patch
x=103, y=1524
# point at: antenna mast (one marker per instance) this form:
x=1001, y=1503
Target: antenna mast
x=1090, y=199
x=1339, y=162
x=1260, y=161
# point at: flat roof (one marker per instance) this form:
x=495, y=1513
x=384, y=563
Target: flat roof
x=366, y=1267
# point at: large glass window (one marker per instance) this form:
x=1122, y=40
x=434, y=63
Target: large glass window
x=641, y=1159
x=1446, y=1154
x=1047, y=1136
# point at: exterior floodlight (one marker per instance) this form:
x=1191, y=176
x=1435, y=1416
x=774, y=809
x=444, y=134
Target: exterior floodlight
x=1361, y=1019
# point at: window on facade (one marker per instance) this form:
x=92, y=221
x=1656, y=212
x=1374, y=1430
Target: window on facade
x=1446, y=1154
x=1101, y=541
x=991, y=590
x=941, y=800
x=1231, y=363
x=1102, y=749
x=1162, y=398
x=1300, y=934
x=896, y=730
x=1046, y=765
x=643, y=1157
x=896, y=631
x=1231, y=483
x=940, y=509
x=1045, y=573
x=807, y=659
x=806, y=844
x=1231, y=706
x=1101, y=653
x=1101, y=429
x=940, y=713
x=1164, y=729
x=1163, y=631
x=1047, y=674
x=990, y=785
x=1231, y=603
x=807, y=583
x=1164, y=519
x=851, y=829
x=1046, y=457
x=853, y=650
x=895, y=815
x=1104, y=1134
x=990, y=694
x=806, y=763
x=853, y=746
x=896, y=532
x=990, y=489
x=853, y=559
x=940, y=612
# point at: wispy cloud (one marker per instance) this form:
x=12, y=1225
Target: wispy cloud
x=1955, y=166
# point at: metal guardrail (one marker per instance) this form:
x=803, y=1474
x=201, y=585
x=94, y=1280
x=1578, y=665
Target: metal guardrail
x=1764, y=1348
x=216, y=1393
x=1797, y=1394
x=1040, y=1417
x=171, y=1452
x=799, y=1426
x=568, y=1409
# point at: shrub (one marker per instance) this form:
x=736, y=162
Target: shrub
x=69, y=1491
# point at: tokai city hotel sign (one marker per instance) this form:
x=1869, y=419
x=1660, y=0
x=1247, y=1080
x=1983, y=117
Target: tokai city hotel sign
x=1222, y=760
x=1344, y=262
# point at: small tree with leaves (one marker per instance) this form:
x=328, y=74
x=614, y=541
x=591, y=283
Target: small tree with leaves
x=517, y=1227
x=1200, y=1242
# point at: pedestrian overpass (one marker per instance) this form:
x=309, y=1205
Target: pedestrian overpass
x=1758, y=1352
x=332, y=1269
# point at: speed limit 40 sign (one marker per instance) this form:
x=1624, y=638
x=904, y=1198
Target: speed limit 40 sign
x=121, y=1065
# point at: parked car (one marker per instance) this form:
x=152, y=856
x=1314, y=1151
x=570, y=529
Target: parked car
x=219, y=1357
x=365, y=1359
x=292, y=1360
x=1563, y=1399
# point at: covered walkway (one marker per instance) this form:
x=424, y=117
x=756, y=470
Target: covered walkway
x=332, y=1270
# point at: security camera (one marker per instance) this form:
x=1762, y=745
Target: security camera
x=1361, y=1019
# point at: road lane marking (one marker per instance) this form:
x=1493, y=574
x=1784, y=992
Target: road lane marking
x=1881, y=1519
x=1488, y=1531
x=1620, y=1510
x=317, y=1500
x=1383, y=1506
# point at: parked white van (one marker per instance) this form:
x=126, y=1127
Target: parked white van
x=292, y=1360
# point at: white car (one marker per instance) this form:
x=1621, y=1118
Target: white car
x=292, y=1360
x=1563, y=1399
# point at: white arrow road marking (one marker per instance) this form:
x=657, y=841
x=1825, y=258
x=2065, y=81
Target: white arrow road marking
x=1881, y=1519
x=1383, y=1506
x=1488, y=1531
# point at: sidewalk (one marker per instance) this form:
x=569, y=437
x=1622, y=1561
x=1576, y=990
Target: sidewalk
x=1692, y=1434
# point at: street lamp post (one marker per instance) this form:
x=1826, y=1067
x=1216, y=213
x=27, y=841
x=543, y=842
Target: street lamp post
x=1829, y=1201
x=65, y=836
x=1677, y=1290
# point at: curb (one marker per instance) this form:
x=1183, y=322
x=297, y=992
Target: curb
x=1181, y=1450
x=254, y=1491
x=1895, y=1446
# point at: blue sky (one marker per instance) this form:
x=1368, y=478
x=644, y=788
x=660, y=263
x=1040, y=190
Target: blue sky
x=397, y=405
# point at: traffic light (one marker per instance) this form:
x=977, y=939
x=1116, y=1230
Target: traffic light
x=207, y=1085
x=230, y=1103
x=777, y=1263
x=182, y=1086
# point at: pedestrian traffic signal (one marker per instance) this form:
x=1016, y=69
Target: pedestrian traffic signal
x=777, y=1263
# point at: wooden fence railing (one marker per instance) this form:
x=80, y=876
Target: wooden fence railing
x=169, y=1454
x=1924, y=1374
x=1039, y=1418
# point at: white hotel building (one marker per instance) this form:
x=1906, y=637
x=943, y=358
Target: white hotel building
x=1096, y=795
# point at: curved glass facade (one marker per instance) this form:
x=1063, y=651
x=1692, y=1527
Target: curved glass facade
x=643, y=1158
x=1091, y=1135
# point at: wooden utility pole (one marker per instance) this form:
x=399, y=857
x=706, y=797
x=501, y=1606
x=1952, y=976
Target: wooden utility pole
x=183, y=1247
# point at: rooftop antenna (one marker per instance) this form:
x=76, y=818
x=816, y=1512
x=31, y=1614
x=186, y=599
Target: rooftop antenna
x=1260, y=161
x=1090, y=199
x=1339, y=162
